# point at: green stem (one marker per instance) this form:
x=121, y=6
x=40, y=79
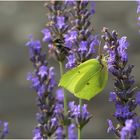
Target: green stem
x=79, y=128
x=79, y=133
x=65, y=97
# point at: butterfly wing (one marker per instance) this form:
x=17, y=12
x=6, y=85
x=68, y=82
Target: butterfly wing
x=94, y=85
x=71, y=78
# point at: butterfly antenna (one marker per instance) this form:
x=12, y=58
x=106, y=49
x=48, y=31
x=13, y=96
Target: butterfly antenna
x=100, y=56
x=100, y=50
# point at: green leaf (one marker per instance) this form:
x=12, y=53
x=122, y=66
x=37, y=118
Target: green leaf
x=86, y=80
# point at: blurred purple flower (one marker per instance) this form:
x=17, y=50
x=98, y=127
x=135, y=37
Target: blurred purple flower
x=71, y=61
x=71, y=132
x=129, y=130
x=123, y=45
x=47, y=35
x=59, y=133
x=43, y=71
x=60, y=21
x=37, y=134
x=83, y=47
x=138, y=98
x=112, y=97
x=4, y=129
x=60, y=95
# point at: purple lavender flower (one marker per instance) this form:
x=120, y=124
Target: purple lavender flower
x=79, y=114
x=71, y=61
x=129, y=130
x=43, y=82
x=123, y=112
x=83, y=47
x=43, y=71
x=80, y=38
x=123, y=45
x=71, y=132
x=71, y=36
x=138, y=98
x=112, y=97
x=92, y=7
x=112, y=129
x=60, y=95
x=56, y=28
x=47, y=35
x=37, y=134
x=124, y=90
x=4, y=129
x=138, y=8
x=34, y=45
x=59, y=133
x=60, y=22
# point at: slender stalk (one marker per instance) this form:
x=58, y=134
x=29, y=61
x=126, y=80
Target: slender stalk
x=79, y=128
x=65, y=97
x=79, y=132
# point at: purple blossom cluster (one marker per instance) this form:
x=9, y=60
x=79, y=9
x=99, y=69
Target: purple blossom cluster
x=43, y=83
x=124, y=96
x=56, y=28
x=4, y=130
x=79, y=38
x=81, y=42
x=79, y=114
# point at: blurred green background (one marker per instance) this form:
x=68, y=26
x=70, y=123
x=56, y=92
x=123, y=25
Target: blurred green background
x=17, y=99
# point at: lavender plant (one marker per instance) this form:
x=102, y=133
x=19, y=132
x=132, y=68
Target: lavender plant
x=54, y=36
x=70, y=40
x=82, y=42
x=124, y=95
x=77, y=34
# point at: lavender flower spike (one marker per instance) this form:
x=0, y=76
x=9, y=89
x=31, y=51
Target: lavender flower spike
x=124, y=92
x=80, y=38
x=56, y=28
x=43, y=83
